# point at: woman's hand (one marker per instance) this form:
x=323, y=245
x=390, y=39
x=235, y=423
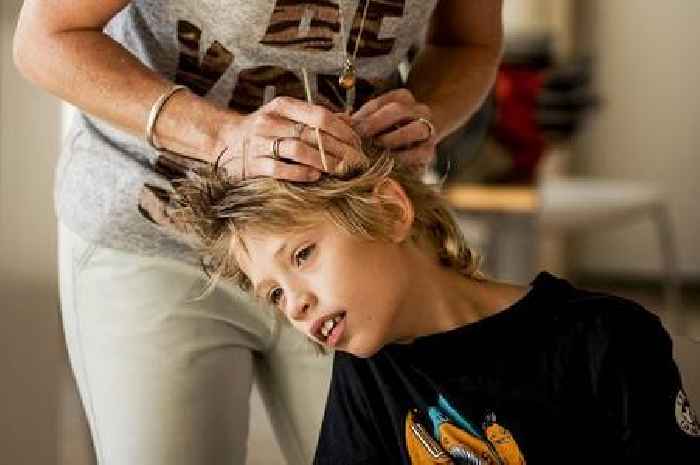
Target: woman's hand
x=248, y=146
x=396, y=121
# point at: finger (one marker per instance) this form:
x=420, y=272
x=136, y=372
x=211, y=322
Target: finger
x=332, y=146
x=303, y=150
x=397, y=95
x=390, y=115
x=279, y=169
x=300, y=152
x=408, y=134
x=259, y=147
x=315, y=116
x=272, y=127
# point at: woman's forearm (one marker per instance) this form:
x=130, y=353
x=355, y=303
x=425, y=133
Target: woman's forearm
x=453, y=81
x=92, y=71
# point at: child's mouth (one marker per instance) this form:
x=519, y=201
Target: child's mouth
x=332, y=329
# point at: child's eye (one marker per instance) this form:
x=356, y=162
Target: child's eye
x=275, y=296
x=303, y=254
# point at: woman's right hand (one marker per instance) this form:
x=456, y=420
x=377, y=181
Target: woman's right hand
x=246, y=143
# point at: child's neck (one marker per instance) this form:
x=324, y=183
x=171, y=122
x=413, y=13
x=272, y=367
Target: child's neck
x=440, y=299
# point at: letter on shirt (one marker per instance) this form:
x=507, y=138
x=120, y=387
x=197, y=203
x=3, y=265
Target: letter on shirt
x=200, y=77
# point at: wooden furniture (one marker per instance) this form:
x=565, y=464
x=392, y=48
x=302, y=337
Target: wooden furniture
x=500, y=222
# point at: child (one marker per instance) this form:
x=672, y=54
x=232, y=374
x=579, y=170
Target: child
x=434, y=363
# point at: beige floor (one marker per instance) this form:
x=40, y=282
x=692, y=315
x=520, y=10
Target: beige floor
x=74, y=441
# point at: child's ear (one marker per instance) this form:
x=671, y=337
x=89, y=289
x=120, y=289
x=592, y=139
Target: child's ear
x=393, y=195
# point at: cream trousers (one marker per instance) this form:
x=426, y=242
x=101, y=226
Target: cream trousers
x=165, y=379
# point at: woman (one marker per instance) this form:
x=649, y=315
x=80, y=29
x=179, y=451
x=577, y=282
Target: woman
x=165, y=379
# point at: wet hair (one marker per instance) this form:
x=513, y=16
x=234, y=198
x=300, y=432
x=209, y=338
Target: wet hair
x=215, y=211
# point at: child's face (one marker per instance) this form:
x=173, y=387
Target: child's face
x=324, y=274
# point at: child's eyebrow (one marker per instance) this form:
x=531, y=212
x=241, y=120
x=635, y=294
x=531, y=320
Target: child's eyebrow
x=278, y=252
x=281, y=249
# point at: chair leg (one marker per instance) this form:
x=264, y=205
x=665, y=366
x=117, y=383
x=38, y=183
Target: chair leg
x=669, y=257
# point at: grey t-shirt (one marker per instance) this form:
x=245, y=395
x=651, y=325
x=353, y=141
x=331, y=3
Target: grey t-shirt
x=235, y=52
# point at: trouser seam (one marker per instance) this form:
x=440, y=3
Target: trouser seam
x=87, y=398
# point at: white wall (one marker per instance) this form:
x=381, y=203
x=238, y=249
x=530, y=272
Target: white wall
x=648, y=72
x=552, y=17
x=29, y=331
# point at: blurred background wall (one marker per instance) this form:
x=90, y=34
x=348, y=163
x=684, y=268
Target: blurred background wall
x=30, y=345
x=647, y=70
x=647, y=128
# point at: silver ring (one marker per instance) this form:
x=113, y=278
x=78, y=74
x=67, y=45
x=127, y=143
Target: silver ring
x=428, y=124
x=299, y=130
x=276, y=147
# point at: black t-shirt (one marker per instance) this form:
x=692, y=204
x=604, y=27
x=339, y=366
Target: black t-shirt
x=562, y=376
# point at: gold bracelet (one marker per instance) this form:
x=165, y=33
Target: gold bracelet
x=155, y=112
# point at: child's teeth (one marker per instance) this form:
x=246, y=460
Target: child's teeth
x=329, y=324
x=327, y=327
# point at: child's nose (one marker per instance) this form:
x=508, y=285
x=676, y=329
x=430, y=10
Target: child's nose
x=300, y=305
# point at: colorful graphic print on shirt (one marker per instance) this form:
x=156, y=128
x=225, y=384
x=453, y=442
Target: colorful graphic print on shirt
x=450, y=439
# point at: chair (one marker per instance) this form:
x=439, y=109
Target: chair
x=518, y=218
x=583, y=205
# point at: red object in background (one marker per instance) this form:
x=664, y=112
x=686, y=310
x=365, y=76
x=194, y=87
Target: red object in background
x=515, y=126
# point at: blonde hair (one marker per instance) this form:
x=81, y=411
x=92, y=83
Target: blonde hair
x=216, y=210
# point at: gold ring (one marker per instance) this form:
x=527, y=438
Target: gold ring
x=276, y=148
x=429, y=125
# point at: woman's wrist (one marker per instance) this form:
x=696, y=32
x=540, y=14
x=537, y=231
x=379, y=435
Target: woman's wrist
x=193, y=126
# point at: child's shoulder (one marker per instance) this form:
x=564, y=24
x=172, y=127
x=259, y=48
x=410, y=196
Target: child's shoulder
x=586, y=310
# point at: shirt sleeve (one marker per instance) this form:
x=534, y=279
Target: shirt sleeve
x=646, y=412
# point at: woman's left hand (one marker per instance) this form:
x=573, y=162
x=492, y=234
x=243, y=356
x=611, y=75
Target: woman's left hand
x=396, y=121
